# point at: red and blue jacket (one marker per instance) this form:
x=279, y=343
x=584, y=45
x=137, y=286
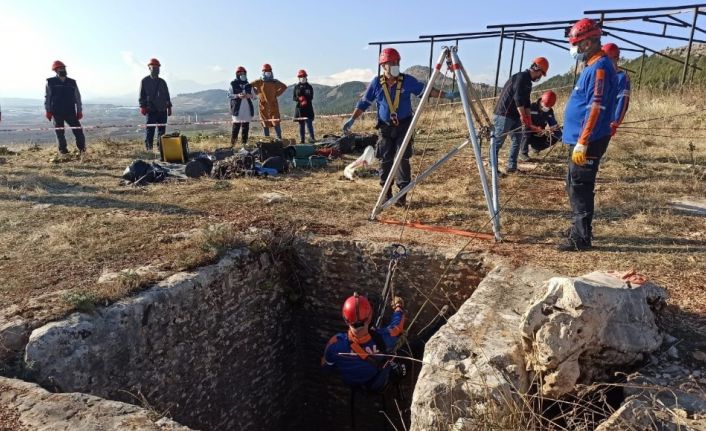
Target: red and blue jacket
x=623, y=97
x=375, y=93
x=589, y=110
x=356, y=359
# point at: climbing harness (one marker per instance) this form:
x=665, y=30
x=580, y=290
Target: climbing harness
x=397, y=252
x=393, y=105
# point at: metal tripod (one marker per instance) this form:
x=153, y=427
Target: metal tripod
x=471, y=107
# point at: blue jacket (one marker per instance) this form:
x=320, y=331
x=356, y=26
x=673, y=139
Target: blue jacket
x=623, y=93
x=371, y=371
x=589, y=110
x=375, y=93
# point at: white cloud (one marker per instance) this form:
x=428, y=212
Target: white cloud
x=344, y=76
x=216, y=68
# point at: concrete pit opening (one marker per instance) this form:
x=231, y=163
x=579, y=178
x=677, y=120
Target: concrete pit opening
x=237, y=345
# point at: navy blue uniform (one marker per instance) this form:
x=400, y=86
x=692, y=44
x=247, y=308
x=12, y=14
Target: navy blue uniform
x=63, y=100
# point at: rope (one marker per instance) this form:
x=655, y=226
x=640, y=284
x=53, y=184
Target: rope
x=663, y=117
x=424, y=151
x=486, y=223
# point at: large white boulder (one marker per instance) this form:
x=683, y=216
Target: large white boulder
x=584, y=328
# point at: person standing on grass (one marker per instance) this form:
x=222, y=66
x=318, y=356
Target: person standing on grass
x=623, y=92
x=512, y=114
x=242, y=110
x=62, y=103
x=587, y=128
x=542, y=117
x=303, y=95
x=155, y=103
x=393, y=94
x=268, y=89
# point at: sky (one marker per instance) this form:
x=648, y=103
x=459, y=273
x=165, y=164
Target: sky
x=106, y=45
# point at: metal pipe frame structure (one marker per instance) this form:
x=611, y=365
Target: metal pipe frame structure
x=696, y=9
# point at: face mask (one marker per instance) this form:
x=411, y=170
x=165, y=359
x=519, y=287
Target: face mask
x=154, y=72
x=394, y=71
x=537, y=78
x=61, y=73
x=302, y=80
x=575, y=54
x=267, y=75
x=243, y=78
x=545, y=109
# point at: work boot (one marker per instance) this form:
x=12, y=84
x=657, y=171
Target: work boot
x=63, y=151
x=312, y=140
x=524, y=157
x=510, y=170
x=402, y=201
x=573, y=244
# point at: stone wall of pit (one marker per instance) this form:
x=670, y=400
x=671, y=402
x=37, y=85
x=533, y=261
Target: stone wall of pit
x=211, y=348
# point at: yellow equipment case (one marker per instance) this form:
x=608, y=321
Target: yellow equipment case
x=174, y=148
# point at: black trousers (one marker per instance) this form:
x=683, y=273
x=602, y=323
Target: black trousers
x=580, y=186
x=388, y=145
x=156, y=117
x=236, y=129
x=72, y=121
x=537, y=143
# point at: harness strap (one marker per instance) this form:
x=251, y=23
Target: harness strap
x=393, y=105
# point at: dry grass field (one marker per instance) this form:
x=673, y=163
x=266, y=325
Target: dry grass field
x=62, y=225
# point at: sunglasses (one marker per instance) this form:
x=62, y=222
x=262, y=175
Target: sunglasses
x=358, y=324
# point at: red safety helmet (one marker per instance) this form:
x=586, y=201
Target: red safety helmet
x=542, y=64
x=266, y=67
x=549, y=98
x=154, y=62
x=389, y=55
x=583, y=29
x=240, y=70
x=57, y=65
x=357, y=309
x=611, y=50
x=302, y=73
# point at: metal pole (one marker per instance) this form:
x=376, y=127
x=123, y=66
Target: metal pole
x=463, y=86
x=408, y=136
x=522, y=57
x=500, y=56
x=642, y=64
x=453, y=81
x=379, y=53
x=431, y=55
x=512, y=56
x=688, y=49
x=600, y=22
x=419, y=178
x=576, y=71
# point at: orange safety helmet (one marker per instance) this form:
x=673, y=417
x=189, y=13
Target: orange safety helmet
x=583, y=29
x=611, y=50
x=154, y=62
x=240, y=70
x=357, y=310
x=549, y=98
x=266, y=67
x=541, y=64
x=302, y=73
x=389, y=55
x=57, y=65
